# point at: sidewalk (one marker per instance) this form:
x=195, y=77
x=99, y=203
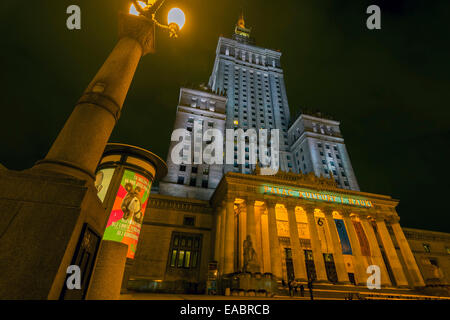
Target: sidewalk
x=167, y=296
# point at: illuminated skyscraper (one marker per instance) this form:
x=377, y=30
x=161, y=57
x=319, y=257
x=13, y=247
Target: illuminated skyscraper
x=253, y=80
x=247, y=90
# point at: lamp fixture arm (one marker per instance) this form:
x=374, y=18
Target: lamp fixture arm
x=148, y=11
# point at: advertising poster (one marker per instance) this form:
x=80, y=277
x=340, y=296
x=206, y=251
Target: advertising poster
x=102, y=181
x=125, y=221
x=345, y=242
x=365, y=247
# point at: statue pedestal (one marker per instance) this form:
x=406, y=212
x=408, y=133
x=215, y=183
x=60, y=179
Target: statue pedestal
x=251, y=284
x=43, y=216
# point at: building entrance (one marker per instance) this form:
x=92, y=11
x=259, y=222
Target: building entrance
x=330, y=267
x=289, y=264
x=310, y=267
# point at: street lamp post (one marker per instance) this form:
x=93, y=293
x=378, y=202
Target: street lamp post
x=51, y=213
x=81, y=142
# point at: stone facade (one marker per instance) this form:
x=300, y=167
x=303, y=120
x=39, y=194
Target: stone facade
x=295, y=223
x=168, y=216
x=432, y=252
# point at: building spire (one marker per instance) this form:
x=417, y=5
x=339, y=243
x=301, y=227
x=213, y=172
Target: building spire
x=241, y=21
x=240, y=30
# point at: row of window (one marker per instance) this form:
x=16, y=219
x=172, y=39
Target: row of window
x=194, y=169
x=241, y=55
x=190, y=123
x=185, y=251
x=193, y=181
x=322, y=128
x=427, y=248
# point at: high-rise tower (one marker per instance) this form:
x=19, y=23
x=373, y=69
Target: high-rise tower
x=198, y=110
x=253, y=81
x=317, y=145
x=246, y=90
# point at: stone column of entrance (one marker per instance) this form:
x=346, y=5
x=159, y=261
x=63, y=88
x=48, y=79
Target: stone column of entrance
x=221, y=256
x=298, y=256
x=229, y=236
x=319, y=263
x=391, y=253
x=251, y=227
x=275, y=255
x=218, y=227
x=258, y=240
x=359, y=264
x=337, y=248
x=375, y=250
x=407, y=254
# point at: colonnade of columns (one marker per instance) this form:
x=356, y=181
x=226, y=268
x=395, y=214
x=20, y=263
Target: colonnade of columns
x=261, y=227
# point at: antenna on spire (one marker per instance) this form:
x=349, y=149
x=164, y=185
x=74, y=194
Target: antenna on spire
x=241, y=21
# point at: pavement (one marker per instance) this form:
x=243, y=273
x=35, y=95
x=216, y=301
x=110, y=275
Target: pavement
x=168, y=296
x=320, y=292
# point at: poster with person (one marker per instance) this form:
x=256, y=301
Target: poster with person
x=102, y=181
x=127, y=214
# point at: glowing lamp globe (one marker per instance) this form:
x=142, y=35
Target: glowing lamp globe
x=176, y=16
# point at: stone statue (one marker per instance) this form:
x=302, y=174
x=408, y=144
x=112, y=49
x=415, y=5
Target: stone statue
x=250, y=259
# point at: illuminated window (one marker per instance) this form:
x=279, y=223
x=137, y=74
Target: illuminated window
x=185, y=250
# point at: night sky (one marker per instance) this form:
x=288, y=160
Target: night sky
x=390, y=88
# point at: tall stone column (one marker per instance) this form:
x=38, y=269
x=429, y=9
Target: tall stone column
x=251, y=227
x=391, y=253
x=375, y=250
x=407, y=254
x=359, y=264
x=258, y=240
x=251, y=232
x=218, y=228
x=315, y=245
x=223, y=214
x=298, y=256
x=337, y=248
x=228, y=265
x=108, y=273
x=275, y=255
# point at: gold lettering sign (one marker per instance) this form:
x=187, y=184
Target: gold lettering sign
x=311, y=195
